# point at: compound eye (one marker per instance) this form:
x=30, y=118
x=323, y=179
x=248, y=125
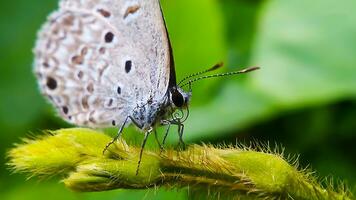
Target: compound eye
x=177, y=99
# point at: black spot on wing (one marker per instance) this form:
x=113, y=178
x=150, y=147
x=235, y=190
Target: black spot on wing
x=65, y=110
x=109, y=37
x=51, y=83
x=128, y=66
x=119, y=90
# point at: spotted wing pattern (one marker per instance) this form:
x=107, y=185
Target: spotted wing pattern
x=95, y=60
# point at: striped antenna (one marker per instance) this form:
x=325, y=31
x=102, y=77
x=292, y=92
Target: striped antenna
x=250, y=69
x=215, y=67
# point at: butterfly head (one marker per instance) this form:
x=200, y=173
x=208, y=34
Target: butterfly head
x=179, y=98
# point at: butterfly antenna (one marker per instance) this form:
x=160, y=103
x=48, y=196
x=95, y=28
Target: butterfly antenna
x=250, y=69
x=215, y=67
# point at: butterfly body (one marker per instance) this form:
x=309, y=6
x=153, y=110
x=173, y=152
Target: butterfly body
x=148, y=114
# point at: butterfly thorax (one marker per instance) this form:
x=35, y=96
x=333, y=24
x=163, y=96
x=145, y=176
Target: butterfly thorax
x=150, y=113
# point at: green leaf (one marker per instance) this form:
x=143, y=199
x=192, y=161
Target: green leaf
x=306, y=52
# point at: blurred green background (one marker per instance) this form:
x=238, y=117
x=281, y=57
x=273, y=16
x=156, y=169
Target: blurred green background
x=304, y=98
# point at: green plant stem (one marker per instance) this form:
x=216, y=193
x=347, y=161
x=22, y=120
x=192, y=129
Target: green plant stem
x=238, y=172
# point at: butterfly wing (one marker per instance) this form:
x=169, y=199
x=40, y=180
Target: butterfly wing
x=97, y=59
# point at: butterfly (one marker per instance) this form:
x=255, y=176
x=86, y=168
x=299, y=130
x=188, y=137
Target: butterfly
x=105, y=63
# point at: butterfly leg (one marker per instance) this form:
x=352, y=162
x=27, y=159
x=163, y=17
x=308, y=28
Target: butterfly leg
x=180, y=133
x=166, y=134
x=157, y=140
x=119, y=133
x=141, y=151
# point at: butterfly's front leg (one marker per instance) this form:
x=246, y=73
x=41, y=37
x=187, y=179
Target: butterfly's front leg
x=142, y=147
x=168, y=123
x=119, y=133
x=180, y=133
x=157, y=140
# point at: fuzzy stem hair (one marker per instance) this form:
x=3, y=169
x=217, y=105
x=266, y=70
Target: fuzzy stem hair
x=228, y=172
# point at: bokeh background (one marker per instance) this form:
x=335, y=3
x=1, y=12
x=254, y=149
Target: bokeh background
x=304, y=98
